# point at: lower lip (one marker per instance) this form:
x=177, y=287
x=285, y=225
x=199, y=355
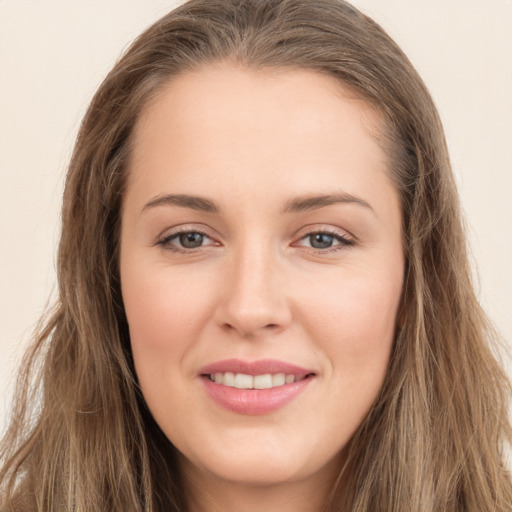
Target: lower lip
x=255, y=401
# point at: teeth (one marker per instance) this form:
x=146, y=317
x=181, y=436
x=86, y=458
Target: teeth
x=278, y=379
x=229, y=379
x=243, y=381
x=263, y=381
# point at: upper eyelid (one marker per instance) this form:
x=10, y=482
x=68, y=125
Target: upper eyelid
x=342, y=239
x=328, y=230
x=164, y=241
x=178, y=230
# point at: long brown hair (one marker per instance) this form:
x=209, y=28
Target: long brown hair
x=81, y=437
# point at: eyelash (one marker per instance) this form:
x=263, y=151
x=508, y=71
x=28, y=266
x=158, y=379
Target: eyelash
x=165, y=241
x=344, y=241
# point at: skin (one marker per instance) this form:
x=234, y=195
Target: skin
x=256, y=288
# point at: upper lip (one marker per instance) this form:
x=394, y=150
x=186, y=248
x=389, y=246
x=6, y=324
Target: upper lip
x=259, y=367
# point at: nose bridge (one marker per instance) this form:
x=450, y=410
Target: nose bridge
x=254, y=298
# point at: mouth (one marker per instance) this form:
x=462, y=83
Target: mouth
x=262, y=381
x=257, y=387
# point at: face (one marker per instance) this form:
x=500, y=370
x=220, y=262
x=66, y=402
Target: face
x=261, y=270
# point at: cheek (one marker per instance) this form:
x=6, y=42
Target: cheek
x=355, y=327
x=162, y=304
x=354, y=320
x=166, y=311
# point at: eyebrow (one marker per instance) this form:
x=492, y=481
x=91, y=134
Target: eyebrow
x=299, y=204
x=183, y=200
x=314, y=202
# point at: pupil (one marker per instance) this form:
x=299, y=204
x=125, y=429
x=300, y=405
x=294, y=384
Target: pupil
x=321, y=241
x=191, y=240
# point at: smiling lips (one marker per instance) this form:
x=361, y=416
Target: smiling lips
x=257, y=387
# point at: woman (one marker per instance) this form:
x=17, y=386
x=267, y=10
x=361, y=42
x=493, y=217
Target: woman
x=265, y=300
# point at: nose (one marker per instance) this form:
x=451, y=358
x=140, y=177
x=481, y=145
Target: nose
x=254, y=299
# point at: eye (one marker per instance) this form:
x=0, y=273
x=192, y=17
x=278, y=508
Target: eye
x=184, y=241
x=324, y=240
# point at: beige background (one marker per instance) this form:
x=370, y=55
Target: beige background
x=54, y=53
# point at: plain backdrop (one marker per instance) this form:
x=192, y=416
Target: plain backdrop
x=54, y=54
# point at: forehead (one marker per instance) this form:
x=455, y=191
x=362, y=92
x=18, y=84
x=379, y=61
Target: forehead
x=253, y=93
x=228, y=121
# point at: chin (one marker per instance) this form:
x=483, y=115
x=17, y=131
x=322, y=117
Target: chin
x=256, y=471
x=253, y=461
